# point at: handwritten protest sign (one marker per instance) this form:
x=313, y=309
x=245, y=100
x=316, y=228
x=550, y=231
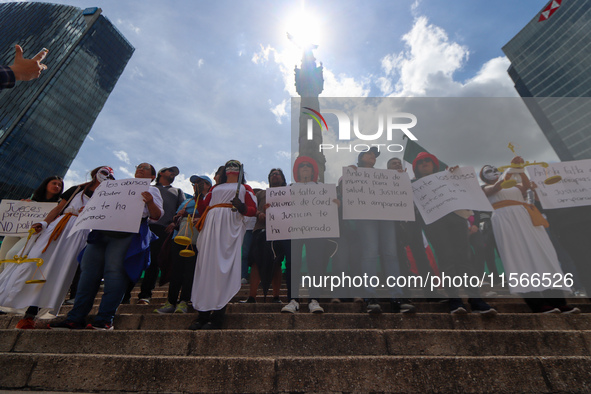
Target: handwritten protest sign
x=302, y=210
x=116, y=205
x=374, y=194
x=573, y=190
x=16, y=217
x=438, y=194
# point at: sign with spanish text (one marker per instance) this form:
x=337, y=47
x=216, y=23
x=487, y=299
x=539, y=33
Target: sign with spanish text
x=373, y=194
x=441, y=193
x=16, y=217
x=572, y=187
x=116, y=205
x=302, y=210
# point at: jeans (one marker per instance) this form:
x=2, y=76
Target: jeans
x=103, y=259
x=378, y=241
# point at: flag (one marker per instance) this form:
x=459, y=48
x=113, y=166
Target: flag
x=549, y=10
x=413, y=149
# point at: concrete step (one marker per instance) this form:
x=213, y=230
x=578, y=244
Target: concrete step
x=514, y=306
x=299, y=321
x=300, y=343
x=31, y=371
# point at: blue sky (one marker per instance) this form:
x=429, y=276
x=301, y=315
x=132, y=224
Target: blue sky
x=212, y=81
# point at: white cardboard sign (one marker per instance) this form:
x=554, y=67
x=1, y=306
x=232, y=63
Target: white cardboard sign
x=302, y=210
x=16, y=217
x=116, y=205
x=373, y=194
x=441, y=193
x=573, y=190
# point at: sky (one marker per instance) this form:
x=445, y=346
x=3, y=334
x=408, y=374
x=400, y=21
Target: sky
x=212, y=81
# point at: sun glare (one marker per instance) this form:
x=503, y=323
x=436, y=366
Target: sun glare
x=305, y=28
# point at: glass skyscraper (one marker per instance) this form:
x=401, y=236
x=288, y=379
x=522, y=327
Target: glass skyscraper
x=551, y=62
x=44, y=122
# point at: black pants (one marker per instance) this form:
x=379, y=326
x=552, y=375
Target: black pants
x=449, y=238
x=181, y=276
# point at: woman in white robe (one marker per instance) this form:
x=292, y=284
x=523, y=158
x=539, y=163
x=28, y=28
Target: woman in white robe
x=523, y=244
x=50, y=191
x=59, y=252
x=217, y=273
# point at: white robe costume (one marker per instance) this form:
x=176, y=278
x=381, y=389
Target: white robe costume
x=523, y=247
x=219, y=245
x=59, y=266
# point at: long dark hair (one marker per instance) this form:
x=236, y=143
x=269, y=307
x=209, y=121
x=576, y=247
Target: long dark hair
x=40, y=193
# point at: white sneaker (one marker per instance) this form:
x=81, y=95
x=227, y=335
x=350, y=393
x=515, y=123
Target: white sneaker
x=314, y=307
x=292, y=307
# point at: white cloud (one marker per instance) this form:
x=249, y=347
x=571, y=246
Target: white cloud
x=125, y=173
x=72, y=178
x=123, y=156
x=427, y=65
x=127, y=25
x=263, y=55
x=200, y=63
x=257, y=184
x=343, y=85
x=279, y=111
x=492, y=80
x=283, y=154
x=429, y=58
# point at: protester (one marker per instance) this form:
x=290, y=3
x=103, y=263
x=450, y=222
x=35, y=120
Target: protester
x=410, y=233
x=59, y=251
x=118, y=257
x=50, y=190
x=305, y=170
x=265, y=257
x=378, y=239
x=172, y=199
x=522, y=241
x=449, y=238
x=182, y=269
x=221, y=231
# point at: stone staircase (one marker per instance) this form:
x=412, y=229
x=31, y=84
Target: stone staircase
x=342, y=350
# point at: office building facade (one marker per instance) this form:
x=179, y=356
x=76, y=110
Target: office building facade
x=550, y=62
x=44, y=122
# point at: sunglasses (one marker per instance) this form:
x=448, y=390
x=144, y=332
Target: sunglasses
x=427, y=160
x=306, y=165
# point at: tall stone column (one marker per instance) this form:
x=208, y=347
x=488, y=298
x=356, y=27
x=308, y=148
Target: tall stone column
x=309, y=84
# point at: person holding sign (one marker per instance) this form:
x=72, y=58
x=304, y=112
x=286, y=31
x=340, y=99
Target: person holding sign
x=378, y=240
x=450, y=240
x=113, y=255
x=50, y=190
x=221, y=231
x=410, y=233
x=305, y=170
x=58, y=251
x=522, y=241
x=265, y=256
